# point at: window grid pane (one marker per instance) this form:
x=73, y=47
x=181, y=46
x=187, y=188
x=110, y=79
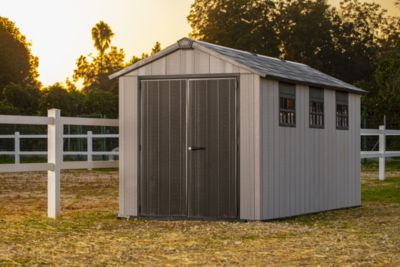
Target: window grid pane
x=342, y=111
x=287, y=105
x=316, y=111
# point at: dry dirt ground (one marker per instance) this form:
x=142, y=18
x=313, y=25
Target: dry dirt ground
x=88, y=232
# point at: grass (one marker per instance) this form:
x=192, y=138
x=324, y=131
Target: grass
x=373, y=165
x=383, y=191
x=88, y=232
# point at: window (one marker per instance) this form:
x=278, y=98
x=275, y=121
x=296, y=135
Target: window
x=287, y=105
x=316, y=107
x=342, y=111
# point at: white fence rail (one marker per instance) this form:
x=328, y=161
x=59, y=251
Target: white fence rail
x=89, y=153
x=55, y=139
x=382, y=154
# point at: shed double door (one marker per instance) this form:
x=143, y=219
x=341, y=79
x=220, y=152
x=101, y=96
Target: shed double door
x=188, y=151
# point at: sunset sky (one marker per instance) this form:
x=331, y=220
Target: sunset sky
x=60, y=30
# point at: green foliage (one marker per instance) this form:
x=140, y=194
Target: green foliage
x=17, y=64
x=102, y=102
x=305, y=30
x=56, y=96
x=7, y=109
x=384, y=89
x=344, y=43
x=242, y=24
x=23, y=98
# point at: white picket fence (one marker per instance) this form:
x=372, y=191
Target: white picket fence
x=89, y=153
x=382, y=154
x=55, y=163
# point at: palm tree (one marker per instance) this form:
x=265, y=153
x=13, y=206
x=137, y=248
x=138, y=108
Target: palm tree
x=101, y=35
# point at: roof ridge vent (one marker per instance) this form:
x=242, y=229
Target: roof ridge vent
x=185, y=43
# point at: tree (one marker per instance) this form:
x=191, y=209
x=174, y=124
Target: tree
x=94, y=71
x=384, y=90
x=71, y=103
x=156, y=48
x=101, y=102
x=242, y=24
x=305, y=30
x=17, y=64
x=23, y=98
x=101, y=35
x=7, y=109
x=344, y=42
x=365, y=32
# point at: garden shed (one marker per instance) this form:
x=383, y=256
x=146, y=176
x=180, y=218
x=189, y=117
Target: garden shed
x=212, y=132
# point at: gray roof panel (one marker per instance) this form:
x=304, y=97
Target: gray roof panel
x=281, y=69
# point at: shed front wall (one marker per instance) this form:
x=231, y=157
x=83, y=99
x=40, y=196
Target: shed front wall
x=200, y=64
x=306, y=170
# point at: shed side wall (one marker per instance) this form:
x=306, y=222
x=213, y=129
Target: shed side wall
x=306, y=170
x=194, y=62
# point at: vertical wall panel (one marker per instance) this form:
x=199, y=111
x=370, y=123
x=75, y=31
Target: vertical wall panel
x=202, y=62
x=217, y=65
x=159, y=67
x=249, y=147
x=128, y=145
x=257, y=145
x=173, y=63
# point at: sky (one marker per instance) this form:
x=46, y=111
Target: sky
x=60, y=30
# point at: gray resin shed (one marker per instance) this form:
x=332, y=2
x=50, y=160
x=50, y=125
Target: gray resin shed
x=212, y=132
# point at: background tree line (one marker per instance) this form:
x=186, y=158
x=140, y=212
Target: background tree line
x=357, y=42
x=22, y=93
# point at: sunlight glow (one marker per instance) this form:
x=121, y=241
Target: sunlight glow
x=60, y=30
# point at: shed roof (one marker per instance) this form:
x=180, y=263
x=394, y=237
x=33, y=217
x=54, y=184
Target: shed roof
x=264, y=66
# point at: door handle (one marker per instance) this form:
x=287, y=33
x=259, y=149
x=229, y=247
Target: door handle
x=192, y=148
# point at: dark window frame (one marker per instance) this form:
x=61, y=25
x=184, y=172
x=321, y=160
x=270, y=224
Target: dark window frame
x=287, y=105
x=316, y=100
x=342, y=110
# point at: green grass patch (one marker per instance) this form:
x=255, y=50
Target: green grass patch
x=373, y=165
x=384, y=191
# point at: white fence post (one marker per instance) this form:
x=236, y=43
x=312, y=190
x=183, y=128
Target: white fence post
x=90, y=147
x=55, y=157
x=17, y=148
x=382, y=149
